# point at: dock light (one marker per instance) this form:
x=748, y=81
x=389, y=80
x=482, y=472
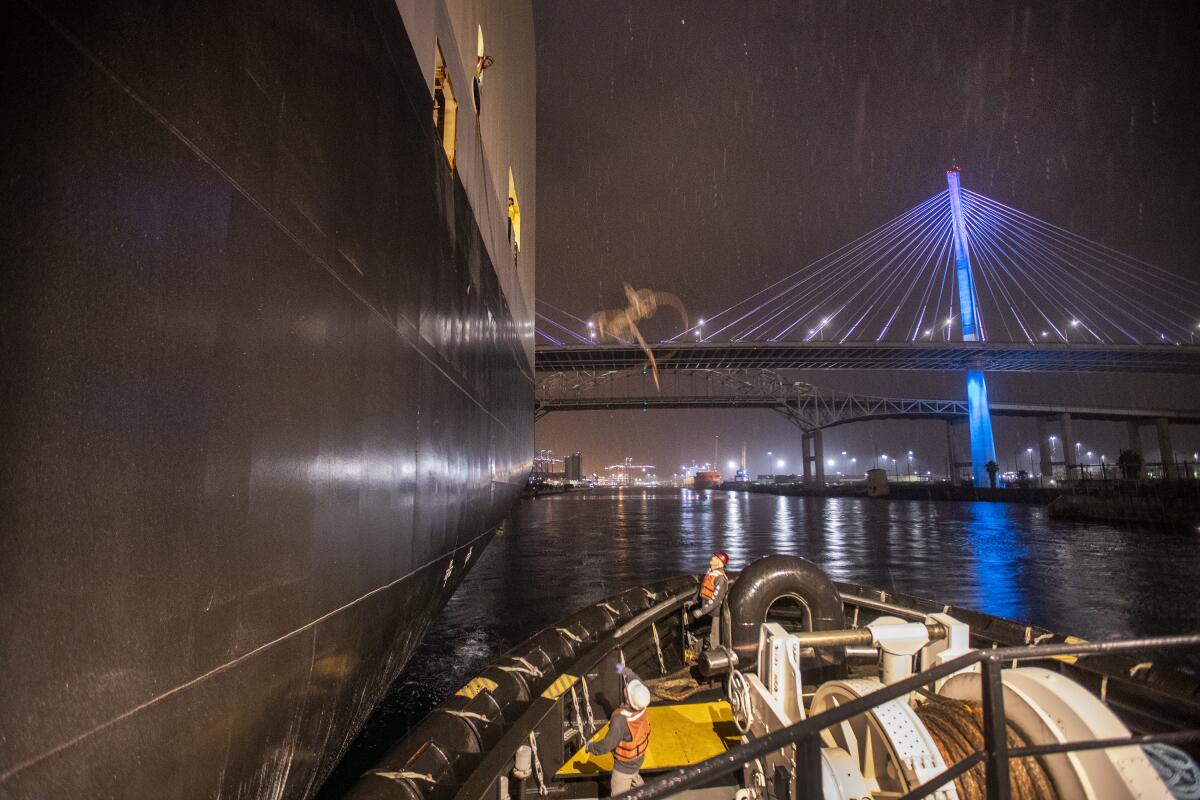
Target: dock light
x=1044, y=334
x=733, y=465
x=591, y=324
x=829, y=462
x=843, y=453
x=779, y=463
x=854, y=461
x=1074, y=323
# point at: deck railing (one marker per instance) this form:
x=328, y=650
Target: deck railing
x=805, y=735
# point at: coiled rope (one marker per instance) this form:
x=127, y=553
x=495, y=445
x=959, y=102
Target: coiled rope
x=957, y=729
x=679, y=685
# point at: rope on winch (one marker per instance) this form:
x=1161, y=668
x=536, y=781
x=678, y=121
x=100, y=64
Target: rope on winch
x=957, y=729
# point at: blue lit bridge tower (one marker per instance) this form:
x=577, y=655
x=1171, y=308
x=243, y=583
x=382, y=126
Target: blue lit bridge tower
x=983, y=446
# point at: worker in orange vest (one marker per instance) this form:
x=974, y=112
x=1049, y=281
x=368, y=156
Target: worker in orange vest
x=628, y=734
x=711, y=595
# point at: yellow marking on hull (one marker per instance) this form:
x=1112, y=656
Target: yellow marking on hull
x=476, y=686
x=560, y=685
x=679, y=735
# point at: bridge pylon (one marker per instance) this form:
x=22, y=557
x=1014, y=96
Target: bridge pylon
x=983, y=444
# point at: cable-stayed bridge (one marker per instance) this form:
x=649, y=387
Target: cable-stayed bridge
x=960, y=282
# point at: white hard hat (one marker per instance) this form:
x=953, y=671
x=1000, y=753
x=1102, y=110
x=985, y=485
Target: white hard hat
x=638, y=694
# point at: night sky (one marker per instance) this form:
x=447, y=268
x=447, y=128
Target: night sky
x=711, y=148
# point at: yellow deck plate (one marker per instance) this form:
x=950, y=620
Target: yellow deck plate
x=679, y=735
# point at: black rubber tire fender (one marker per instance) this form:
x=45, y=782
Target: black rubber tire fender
x=768, y=579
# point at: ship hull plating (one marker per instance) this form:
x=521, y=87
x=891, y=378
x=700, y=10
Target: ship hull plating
x=264, y=399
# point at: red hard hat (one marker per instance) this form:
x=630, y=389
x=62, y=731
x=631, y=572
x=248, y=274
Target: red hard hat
x=721, y=554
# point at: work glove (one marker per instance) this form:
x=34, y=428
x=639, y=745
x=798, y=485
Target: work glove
x=620, y=667
x=588, y=749
x=697, y=613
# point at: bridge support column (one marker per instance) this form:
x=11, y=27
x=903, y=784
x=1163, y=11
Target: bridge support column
x=806, y=463
x=983, y=445
x=1068, y=440
x=1166, y=452
x=1135, y=436
x=818, y=458
x=951, y=459
x=1044, y=453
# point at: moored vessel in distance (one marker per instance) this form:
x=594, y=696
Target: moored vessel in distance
x=268, y=373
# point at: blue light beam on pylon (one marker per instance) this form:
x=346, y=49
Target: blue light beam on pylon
x=979, y=416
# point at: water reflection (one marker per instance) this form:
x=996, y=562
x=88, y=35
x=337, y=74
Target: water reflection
x=565, y=551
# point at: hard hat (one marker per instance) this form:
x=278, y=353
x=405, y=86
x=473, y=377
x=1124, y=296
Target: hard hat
x=638, y=694
x=721, y=554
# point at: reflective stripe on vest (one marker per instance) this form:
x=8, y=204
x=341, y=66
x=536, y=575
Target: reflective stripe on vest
x=639, y=735
x=709, y=587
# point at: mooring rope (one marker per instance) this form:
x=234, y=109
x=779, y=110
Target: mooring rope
x=957, y=729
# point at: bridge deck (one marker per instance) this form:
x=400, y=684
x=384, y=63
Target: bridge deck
x=994, y=357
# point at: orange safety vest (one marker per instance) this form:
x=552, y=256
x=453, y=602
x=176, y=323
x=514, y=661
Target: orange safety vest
x=709, y=587
x=639, y=735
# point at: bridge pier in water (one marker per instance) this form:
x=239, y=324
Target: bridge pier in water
x=1166, y=450
x=1045, y=452
x=1134, y=432
x=812, y=456
x=1068, y=440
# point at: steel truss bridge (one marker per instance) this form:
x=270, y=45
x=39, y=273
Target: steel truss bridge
x=809, y=407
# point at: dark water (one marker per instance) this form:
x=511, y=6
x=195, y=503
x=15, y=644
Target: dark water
x=565, y=551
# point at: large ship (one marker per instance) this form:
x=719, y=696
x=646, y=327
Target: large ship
x=267, y=387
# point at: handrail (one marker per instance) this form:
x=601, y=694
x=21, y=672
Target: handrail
x=995, y=753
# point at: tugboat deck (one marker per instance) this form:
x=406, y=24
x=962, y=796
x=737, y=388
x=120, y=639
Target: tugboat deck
x=684, y=733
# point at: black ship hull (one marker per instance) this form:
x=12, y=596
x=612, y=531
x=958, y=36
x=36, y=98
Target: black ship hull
x=264, y=398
